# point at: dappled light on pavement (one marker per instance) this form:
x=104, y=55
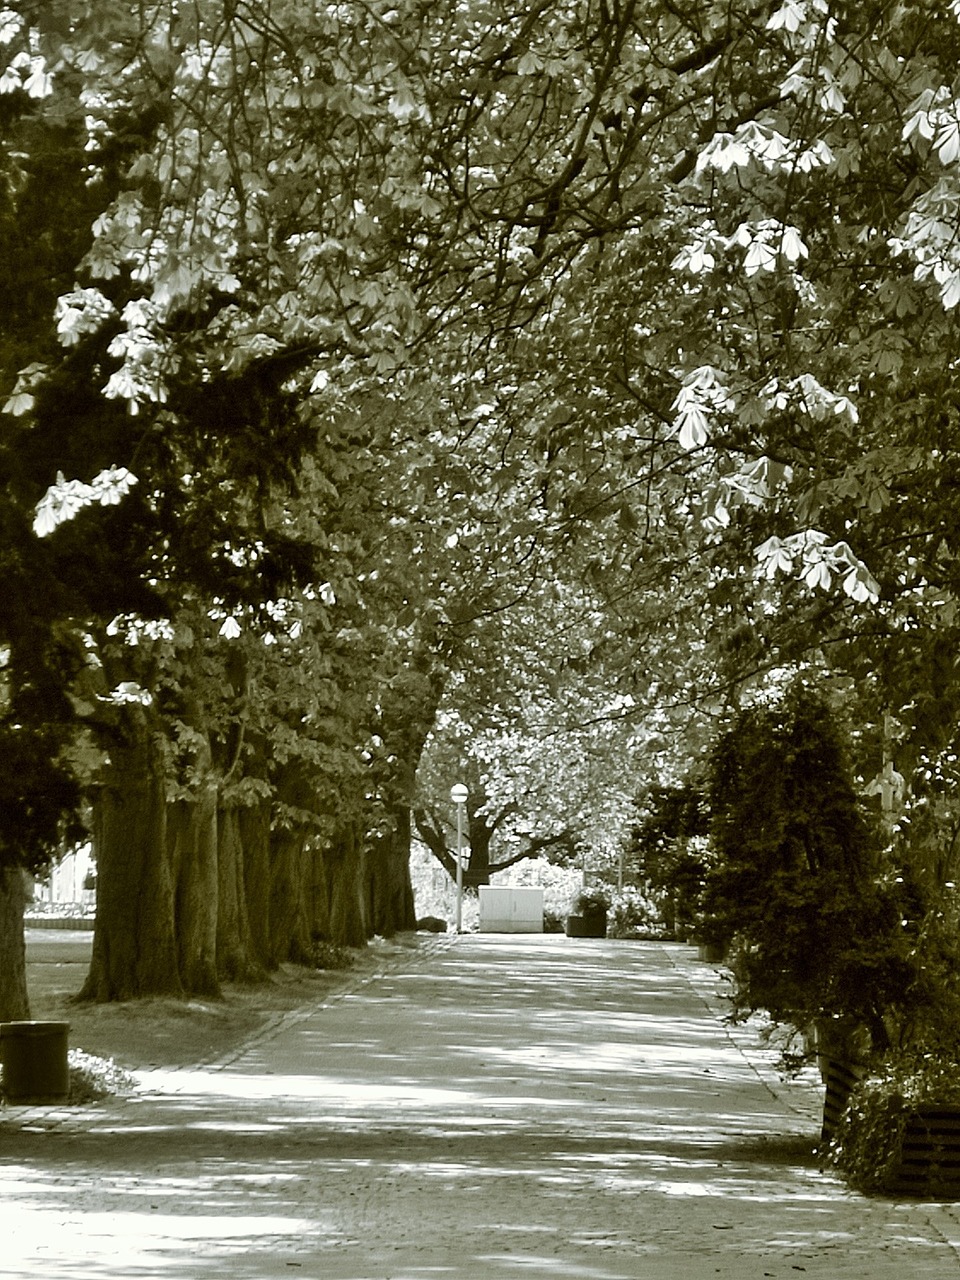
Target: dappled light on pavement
x=535, y=1107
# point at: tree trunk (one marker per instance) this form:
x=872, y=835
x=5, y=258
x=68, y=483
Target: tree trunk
x=390, y=904
x=235, y=954
x=14, y=1003
x=409, y=708
x=253, y=826
x=291, y=939
x=134, y=942
x=193, y=849
x=480, y=833
x=343, y=863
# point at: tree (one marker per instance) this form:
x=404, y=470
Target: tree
x=796, y=886
x=648, y=302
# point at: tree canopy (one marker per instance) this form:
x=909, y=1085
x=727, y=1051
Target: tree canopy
x=350, y=351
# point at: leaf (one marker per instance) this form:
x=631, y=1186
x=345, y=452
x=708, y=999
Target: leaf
x=948, y=141
x=950, y=291
x=760, y=257
x=818, y=574
x=787, y=18
x=692, y=426
x=20, y=404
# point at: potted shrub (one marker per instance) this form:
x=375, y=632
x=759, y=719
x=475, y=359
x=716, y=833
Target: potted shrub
x=588, y=916
x=900, y=1133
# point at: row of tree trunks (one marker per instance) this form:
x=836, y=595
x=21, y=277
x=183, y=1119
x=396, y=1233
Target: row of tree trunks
x=192, y=893
x=202, y=879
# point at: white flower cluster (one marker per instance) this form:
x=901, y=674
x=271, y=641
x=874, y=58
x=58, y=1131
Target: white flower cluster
x=65, y=498
x=81, y=312
x=818, y=561
x=701, y=396
x=27, y=70
x=766, y=241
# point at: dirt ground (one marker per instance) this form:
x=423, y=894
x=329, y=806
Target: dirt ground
x=144, y=1034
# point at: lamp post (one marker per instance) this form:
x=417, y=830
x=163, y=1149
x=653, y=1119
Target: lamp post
x=458, y=794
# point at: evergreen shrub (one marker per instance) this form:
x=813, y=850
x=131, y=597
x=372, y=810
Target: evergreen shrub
x=794, y=891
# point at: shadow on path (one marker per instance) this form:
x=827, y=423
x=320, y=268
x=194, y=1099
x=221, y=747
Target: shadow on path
x=510, y=1106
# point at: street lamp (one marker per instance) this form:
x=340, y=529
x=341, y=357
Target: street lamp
x=458, y=794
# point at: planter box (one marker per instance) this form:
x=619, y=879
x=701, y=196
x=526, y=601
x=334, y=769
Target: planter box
x=929, y=1164
x=712, y=952
x=840, y=1078
x=34, y=1057
x=592, y=926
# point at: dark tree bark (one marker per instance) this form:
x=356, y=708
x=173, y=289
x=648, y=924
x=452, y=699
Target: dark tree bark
x=14, y=1002
x=408, y=710
x=344, y=872
x=291, y=929
x=389, y=893
x=253, y=829
x=193, y=849
x=236, y=961
x=134, y=943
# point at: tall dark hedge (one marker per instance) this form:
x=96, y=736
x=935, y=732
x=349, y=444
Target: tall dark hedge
x=795, y=886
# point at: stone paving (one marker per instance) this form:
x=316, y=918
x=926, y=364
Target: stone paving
x=503, y=1106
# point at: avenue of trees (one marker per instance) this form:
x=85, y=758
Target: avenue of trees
x=409, y=388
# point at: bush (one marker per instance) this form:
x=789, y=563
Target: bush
x=93, y=1078
x=635, y=915
x=868, y=1145
x=670, y=847
x=591, y=902
x=331, y=955
x=795, y=885
x=552, y=920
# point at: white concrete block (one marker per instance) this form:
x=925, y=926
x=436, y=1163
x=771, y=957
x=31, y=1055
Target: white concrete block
x=510, y=910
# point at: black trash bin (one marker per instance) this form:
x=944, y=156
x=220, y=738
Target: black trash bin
x=34, y=1057
x=591, y=924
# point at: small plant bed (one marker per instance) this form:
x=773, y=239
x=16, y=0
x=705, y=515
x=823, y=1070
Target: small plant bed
x=59, y=915
x=92, y=1079
x=588, y=916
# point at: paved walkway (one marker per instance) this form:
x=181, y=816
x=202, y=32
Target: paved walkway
x=504, y=1107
